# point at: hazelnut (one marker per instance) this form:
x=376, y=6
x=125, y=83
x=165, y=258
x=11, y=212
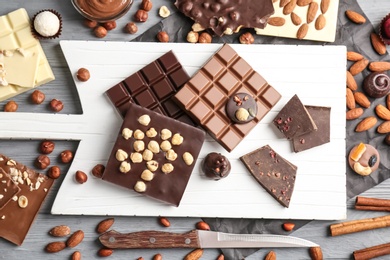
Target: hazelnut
x=242, y=114
x=131, y=28
x=37, y=97
x=138, y=134
x=147, y=175
x=11, y=106
x=188, y=158
x=177, y=139
x=42, y=162
x=171, y=155
x=98, y=170
x=140, y=186
x=152, y=165
x=136, y=157
x=146, y=5
x=139, y=145
x=153, y=146
x=164, y=11
x=166, y=134
x=151, y=132
x=81, y=177
x=125, y=167
x=54, y=172
x=165, y=145
x=121, y=155
x=167, y=168
x=66, y=156
x=163, y=37
x=196, y=27
x=110, y=25
x=100, y=32
x=205, y=37
x=144, y=120
x=127, y=133
x=141, y=16
x=192, y=37
x=83, y=74
x=147, y=155
x=246, y=38
x=46, y=147
x=90, y=23
x=56, y=105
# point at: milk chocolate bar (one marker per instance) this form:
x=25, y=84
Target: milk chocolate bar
x=152, y=87
x=273, y=172
x=17, y=216
x=154, y=155
x=205, y=95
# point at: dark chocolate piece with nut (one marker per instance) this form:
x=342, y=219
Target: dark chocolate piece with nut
x=241, y=108
x=216, y=166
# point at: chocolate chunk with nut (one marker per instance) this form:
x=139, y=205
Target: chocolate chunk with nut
x=241, y=108
x=216, y=166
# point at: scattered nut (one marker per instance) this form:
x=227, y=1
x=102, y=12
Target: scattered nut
x=171, y=155
x=141, y=16
x=205, y=37
x=54, y=172
x=164, y=11
x=105, y=252
x=167, y=168
x=37, y=97
x=221, y=257
x=165, y=145
x=246, y=38
x=270, y=256
x=147, y=155
x=188, y=158
x=152, y=165
x=151, y=133
x=288, y=226
x=153, y=146
x=75, y=238
x=202, y=225
x=192, y=37
x=138, y=134
x=55, y=247
x=125, y=167
x=42, y=162
x=166, y=134
x=162, y=36
x=100, y=32
x=22, y=201
x=127, y=133
x=11, y=106
x=60, y=231
x=83, y=74
x=90, y=23
x=104, y=225
x=147, y=175
x=46, y=147
x=121, y=155
x=139, y=145
x=196, y=27
x=146, y=5
x=136, y=157
x=56, y=105
x=177, y=139
x=66, y=156
x=76, y=255
x=98, y=170
x=164, y=221
x=131, y=28
x=81, y=177
x=140, y=186
x=242, y=114
x=194, y=254
x=144, y=120
x=110, y=25
x=157, y=257
x=362, y=170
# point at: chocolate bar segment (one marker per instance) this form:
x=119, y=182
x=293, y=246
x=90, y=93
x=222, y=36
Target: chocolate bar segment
x=8, y=189
x=16, y=218
x=205, y=95
x=273, y=172
x=166, y=185
x=152, y=87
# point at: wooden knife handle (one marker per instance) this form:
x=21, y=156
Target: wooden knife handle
x=150, y=239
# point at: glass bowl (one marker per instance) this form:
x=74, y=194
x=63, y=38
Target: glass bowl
x=102, y=10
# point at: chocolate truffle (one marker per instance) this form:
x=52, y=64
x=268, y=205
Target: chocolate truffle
x=216, y=166
x=241, y=108
x=376, y=84
x=384, y=29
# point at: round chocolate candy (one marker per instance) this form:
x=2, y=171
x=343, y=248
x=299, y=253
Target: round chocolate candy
x=377, y=84
x=241, y=108
x=364, y=159
x=216, y=166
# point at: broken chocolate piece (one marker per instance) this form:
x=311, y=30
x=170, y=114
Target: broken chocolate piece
x=216, y=166
x=273, y=172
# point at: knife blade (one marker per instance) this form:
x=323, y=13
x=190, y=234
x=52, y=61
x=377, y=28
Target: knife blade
x=198, y=239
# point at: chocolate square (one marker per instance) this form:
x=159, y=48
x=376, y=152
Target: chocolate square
x=152, y=87
x=205, y=95
x=167, y=187
x=321, y=117
x=273, y=172
x=294, y=120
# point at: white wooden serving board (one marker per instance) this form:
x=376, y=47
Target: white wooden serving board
x=315, y=73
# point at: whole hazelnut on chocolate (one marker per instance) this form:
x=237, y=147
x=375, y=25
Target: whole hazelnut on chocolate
x=11, y=106
x=205, y=37
x=54, y=172
x=216, y=166
x=66, y=156
x=131, y=28
x=98, y=170
x=37, y=97
x=246, y=38
x=83, y=74
x=141, y=16
x=81, y=177
x=56, y=105
x=42, y=162
x=90, y=23
x=110, y=25
x=192, y=37
x=46, y=147
x=100, y=32
x=163, y=36
x=146, y=5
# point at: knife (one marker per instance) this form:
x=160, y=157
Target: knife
x=198, y=239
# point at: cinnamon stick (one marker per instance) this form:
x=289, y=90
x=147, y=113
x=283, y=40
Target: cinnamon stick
x=364, y=203
x=371, y=252
x=359, y=225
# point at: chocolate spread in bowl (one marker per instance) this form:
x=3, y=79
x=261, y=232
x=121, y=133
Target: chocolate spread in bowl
x=103, y=9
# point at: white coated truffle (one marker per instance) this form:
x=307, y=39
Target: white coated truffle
x=47, y=23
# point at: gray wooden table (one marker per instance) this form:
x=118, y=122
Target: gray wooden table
x=25, y=151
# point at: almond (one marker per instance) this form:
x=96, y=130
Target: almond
x=202, y=225
x=288, y=226
x=358, y=66
x=320, y=22
x=75, y=238
x=157, y=257
x=350, y=99
x=302, y=31
x=361, y=99
x=104, y=225
x=104, y=252
x=276, y=21
x=76, y=256
x=55, y=247
x=270, y=256
x=382, y=112
x=283, y=3
x=354, y=56
x=324, y=6
x=388, y=101
x=377, y=43
x=351, y=82
x=315, y=253
x=295, y=19
x=289, y=8
x=311, y=12
x=379, y=66
x=60, y=231
x=366, y=124
x=221, y=257
x=384, y=128
x=164, y=221
x=355, y=17
x=303, y=2
x=194, y=254
x=354, y=113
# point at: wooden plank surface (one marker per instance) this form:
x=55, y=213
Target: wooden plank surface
x=26, y=151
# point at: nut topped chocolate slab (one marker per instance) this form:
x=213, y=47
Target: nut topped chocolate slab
x=205, y=95
x=154, y=155
x=273, y=172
